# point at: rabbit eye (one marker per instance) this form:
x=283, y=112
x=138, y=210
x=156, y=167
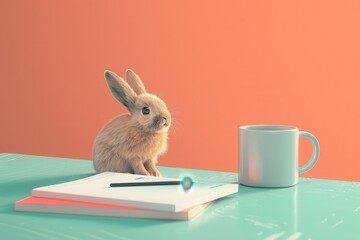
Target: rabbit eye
x=145, y=110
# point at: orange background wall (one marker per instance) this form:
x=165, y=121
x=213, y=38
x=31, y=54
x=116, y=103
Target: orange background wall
x=217, y=65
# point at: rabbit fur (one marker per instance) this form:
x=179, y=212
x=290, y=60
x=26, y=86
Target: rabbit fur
x=132, y=142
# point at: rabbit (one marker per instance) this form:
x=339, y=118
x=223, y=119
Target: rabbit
x=132, y=142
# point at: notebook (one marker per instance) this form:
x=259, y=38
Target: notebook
x=48, y=205
x=96, y=189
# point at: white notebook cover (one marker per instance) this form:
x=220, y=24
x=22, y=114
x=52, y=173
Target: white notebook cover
x=96, y=189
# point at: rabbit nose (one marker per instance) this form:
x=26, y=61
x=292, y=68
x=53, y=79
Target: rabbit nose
x=166, y=122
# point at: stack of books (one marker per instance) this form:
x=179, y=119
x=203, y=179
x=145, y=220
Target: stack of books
x=94, y=196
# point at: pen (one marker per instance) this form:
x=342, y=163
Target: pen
x=186, y=183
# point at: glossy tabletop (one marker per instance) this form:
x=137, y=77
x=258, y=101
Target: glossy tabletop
x=314, y=209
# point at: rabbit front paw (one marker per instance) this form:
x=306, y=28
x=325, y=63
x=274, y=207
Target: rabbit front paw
x=151, y=168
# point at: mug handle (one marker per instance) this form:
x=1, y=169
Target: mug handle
x=315, y=151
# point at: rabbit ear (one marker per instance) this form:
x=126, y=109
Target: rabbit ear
x=120, y=89
x=135, y=82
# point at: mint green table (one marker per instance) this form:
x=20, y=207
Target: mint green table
x=314, y=209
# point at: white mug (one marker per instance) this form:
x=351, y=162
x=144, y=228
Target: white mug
x=268, y=155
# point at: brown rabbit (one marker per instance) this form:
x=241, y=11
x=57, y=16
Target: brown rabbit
x=131, y=143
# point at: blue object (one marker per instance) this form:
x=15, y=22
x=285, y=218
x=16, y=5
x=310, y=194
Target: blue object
x=187, y=183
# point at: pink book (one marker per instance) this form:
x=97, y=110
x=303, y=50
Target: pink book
x=50, y=205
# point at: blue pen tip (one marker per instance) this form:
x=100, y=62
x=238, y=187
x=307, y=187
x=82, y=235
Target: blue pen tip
x=187, y=183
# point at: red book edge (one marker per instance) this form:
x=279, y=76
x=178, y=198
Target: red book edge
x=51, y=202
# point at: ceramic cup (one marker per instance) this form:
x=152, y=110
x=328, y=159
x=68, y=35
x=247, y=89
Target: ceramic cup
x=268, y=155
